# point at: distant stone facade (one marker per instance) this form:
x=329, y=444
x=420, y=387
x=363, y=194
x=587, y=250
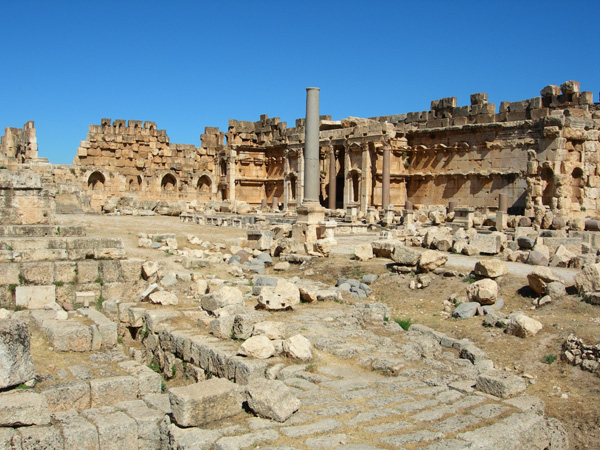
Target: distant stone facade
x=542, y=153
x=136, y=159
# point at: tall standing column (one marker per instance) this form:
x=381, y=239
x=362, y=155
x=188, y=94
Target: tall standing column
x=385, y=186
x=311, y=146
x=332, y=180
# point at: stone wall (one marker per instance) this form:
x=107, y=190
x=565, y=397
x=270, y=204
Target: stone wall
x=136, y=159
x=541, y=152
x=22, y=199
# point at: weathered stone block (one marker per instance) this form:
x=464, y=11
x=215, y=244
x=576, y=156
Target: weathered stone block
x=68, y=336
x=199, y=404
x=22, y=408
x=65, y=396
x=87, y=271
x=38, y=273
x=487, y=243
x=109, y=391
x=110, y=271
x=9, y=273
x=116, y=430
x=78, y=433
x=501, y=384
x=106, y=327
x=131, y=269
x=16, y=365
x=149, y=382
x=35, y=297
x=147, y=421
x=271, y=399
x=65, y=272
x=41, y=438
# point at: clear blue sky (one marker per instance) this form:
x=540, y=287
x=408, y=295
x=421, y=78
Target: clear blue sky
x=190, y=64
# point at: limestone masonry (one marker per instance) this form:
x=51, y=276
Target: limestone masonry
x=541, y=152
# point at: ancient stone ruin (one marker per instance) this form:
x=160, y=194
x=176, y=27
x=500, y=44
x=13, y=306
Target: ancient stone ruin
x=102, y=351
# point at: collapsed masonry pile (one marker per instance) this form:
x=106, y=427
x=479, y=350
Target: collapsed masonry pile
x=577, y=353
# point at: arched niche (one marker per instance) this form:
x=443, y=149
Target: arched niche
x=204, y=184
x=96, y=181
x=168, y=183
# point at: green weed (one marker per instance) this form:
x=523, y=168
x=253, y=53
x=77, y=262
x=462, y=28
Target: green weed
x=404, y=323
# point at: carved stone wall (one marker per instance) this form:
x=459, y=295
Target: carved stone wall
x=541, y=152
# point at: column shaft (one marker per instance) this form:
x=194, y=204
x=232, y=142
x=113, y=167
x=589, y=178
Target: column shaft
x=311, y=146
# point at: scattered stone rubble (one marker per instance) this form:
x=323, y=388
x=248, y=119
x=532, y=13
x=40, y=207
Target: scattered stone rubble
x=585, y=356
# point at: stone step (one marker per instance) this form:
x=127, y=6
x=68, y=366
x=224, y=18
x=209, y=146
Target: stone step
x=21, y=249
x=30, y=231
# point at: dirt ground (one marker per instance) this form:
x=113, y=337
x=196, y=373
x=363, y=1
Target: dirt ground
x=570, y=394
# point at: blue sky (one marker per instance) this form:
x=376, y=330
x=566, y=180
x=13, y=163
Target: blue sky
x=190, y=64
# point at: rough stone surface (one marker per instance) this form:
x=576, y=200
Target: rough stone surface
x=298, y=347
x=431, y=260
x=202, y=403
x=540, y=277
x=282, y=296
x=19, y=408
x=271, y=399
x=16, y=365
x=259, y=347
x=163, y=298
x=518, y=324
x=500, y=384
x=483, y=291
x=490, y=268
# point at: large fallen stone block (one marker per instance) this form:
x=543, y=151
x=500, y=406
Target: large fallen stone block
x=490, y=268
x=187, y=438
x=520, y=325
x=483, y=291
x=199, y=404
x=271, y=399
x=501, y=384
x=282, y=296
x=541, y=277
x=588, y=280
x=490, y=244
x=363, y=252
x=298, y=347
x=431, y=260
x=22, y=408
x=163, y=298
x=106, y=327
x=16, y=365
x=225, y=296
x=67, y=335
x=259, y=347
x=384, y=248
x=405, y=256
x=149, y=382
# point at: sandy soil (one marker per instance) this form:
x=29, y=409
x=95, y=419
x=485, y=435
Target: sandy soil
x=570, y=394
